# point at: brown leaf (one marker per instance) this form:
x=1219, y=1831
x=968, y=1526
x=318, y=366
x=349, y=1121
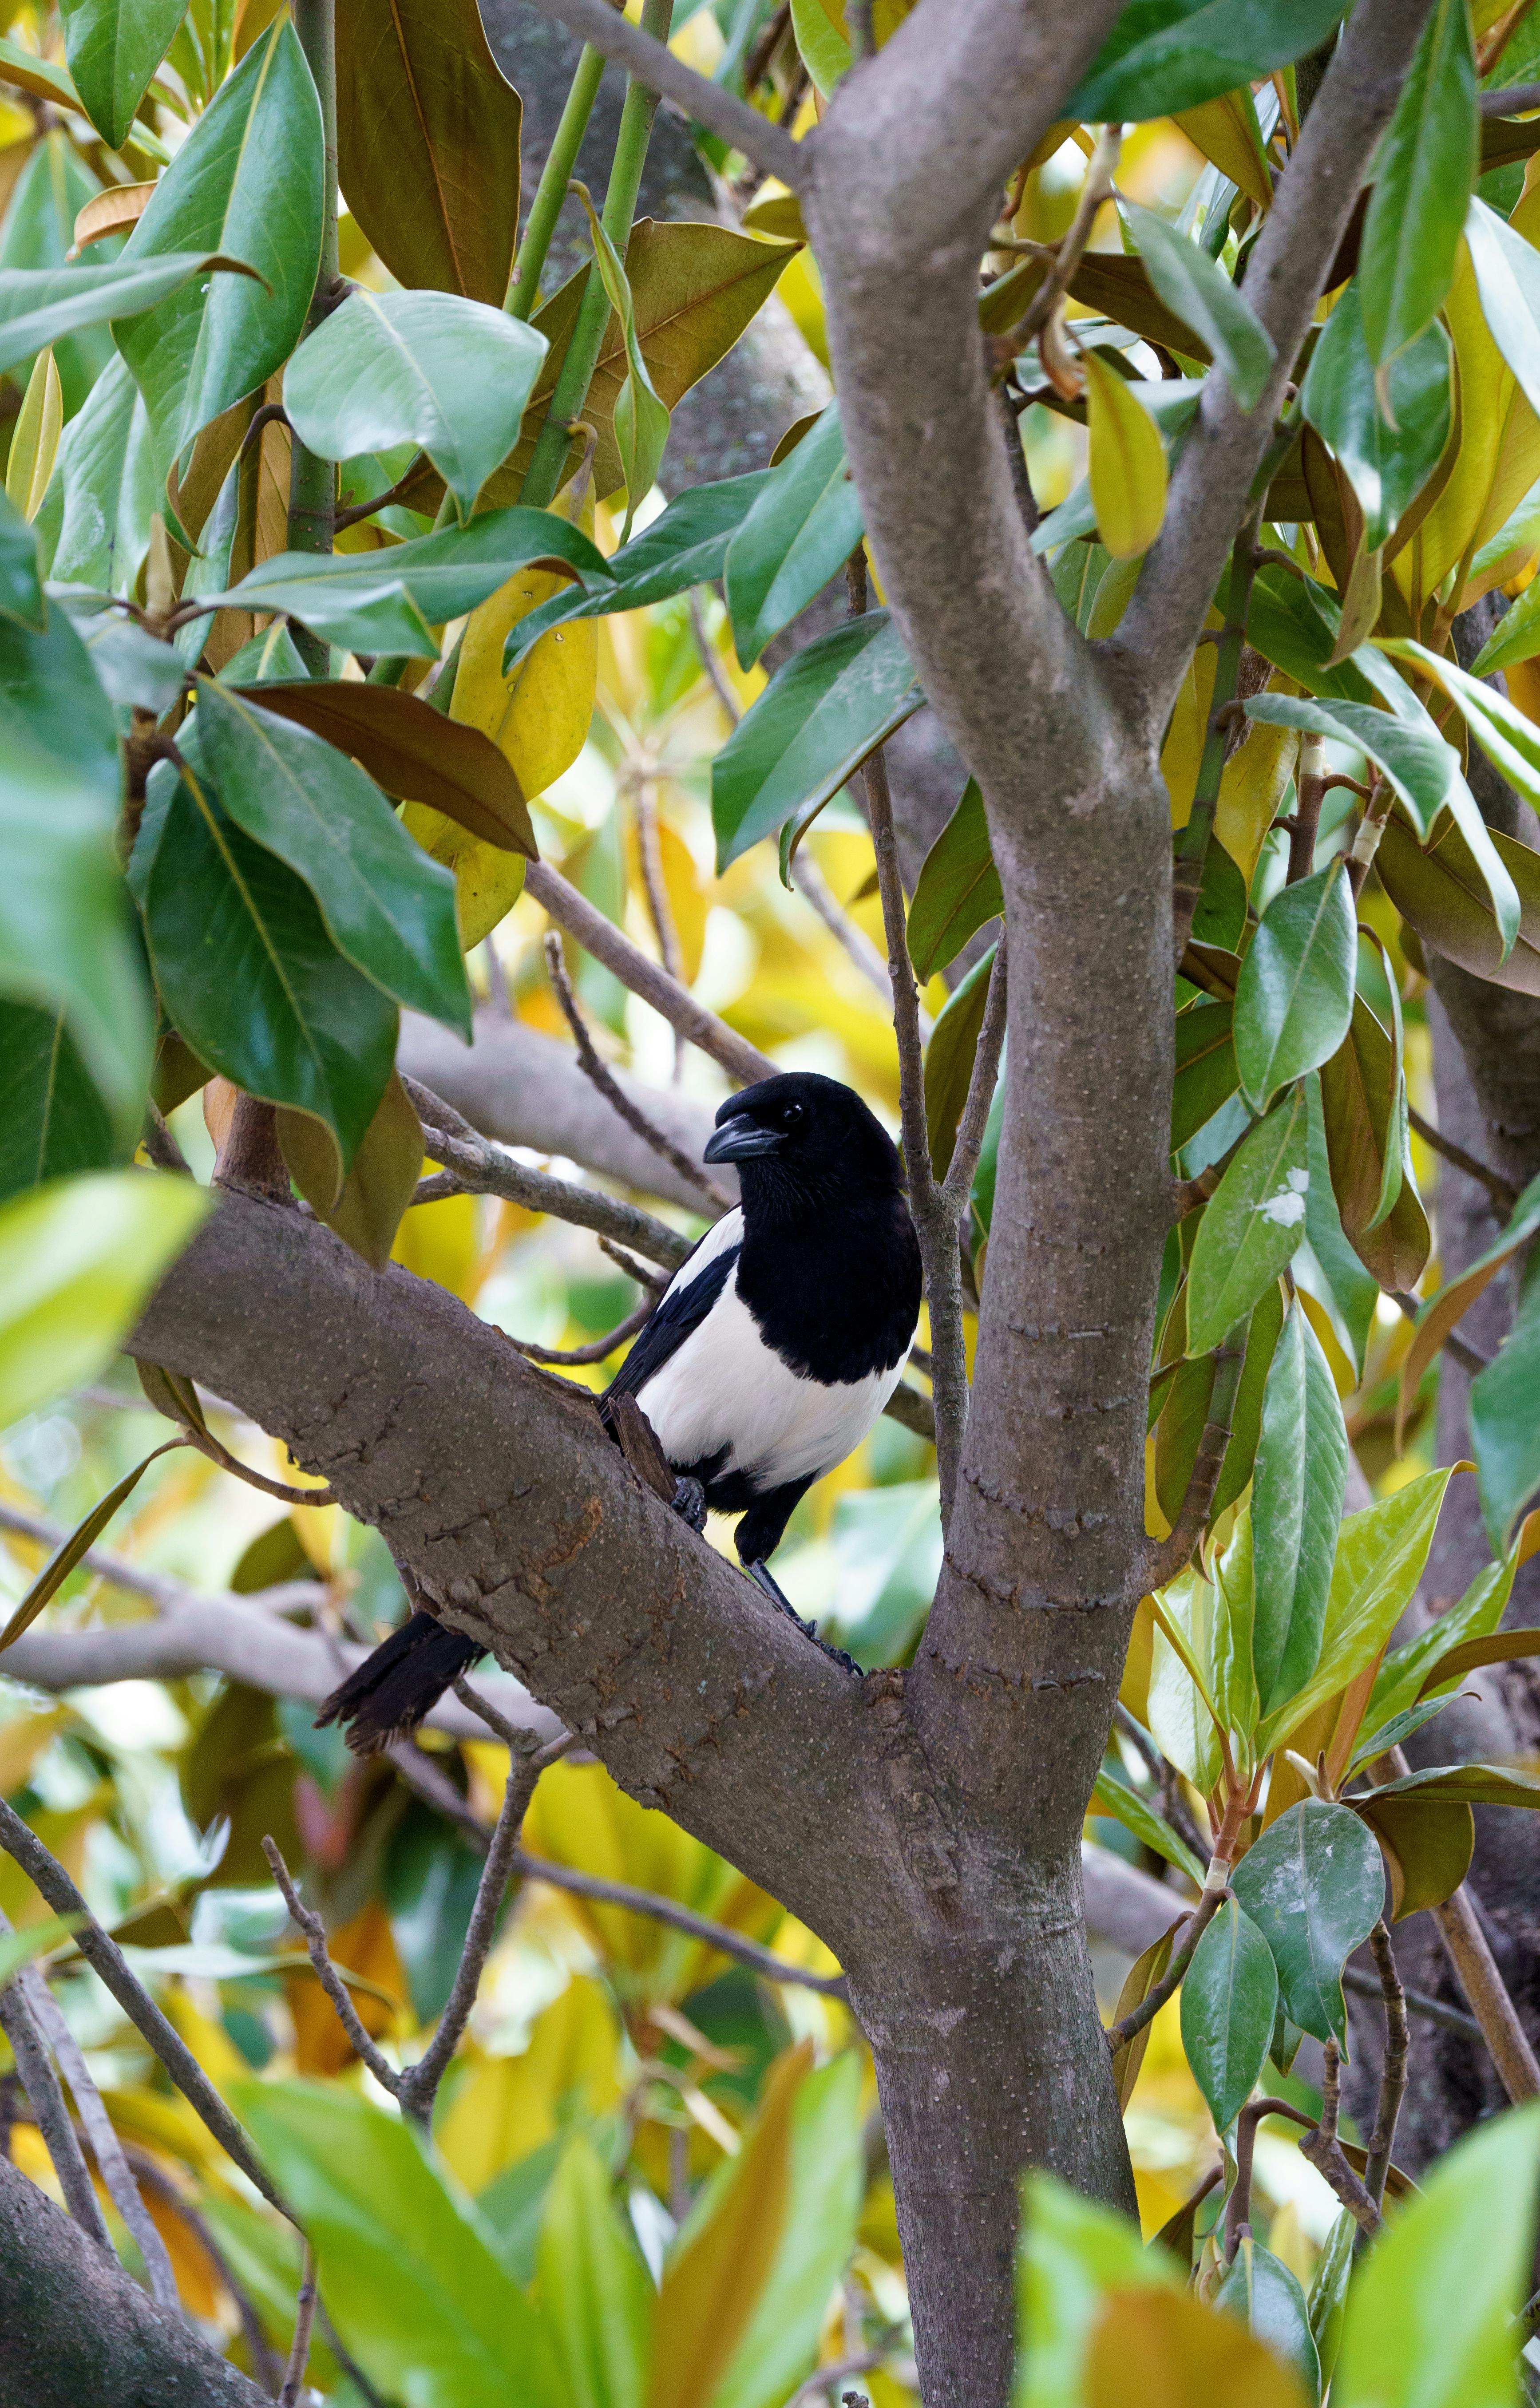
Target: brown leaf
x=413, y=752
x=1160, y=2349
x=1143, y=1975
x=428, y=143
x=1357, y=1098
x=366, y=1208
x=111, y=212
x=1438, y=888
x=1427, y=1850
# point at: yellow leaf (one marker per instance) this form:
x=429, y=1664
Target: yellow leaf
x=1183, y=749
x=1128, y=463
x=23, y=1741
x=366, y=1208
x=487, y=881
x=34, y=441
x=1499, y=455
x=712, y=2285
x=505, y=2106
x=1135, y=1690
x=441, y=1243
x=364, y=1945
x=801, y=288
x=210, y=2043
x=1160, y=2349
x=1251, y=793
x=1226, y=131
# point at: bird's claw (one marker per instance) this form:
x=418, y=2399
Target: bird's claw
x=765, y=1580
x=689, y=1503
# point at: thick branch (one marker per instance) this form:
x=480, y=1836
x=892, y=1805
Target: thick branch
x=50, y=2113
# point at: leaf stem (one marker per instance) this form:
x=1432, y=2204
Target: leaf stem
x=524, y=286
x=1392, y=2080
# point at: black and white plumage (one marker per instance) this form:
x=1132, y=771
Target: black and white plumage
x=770, y=1355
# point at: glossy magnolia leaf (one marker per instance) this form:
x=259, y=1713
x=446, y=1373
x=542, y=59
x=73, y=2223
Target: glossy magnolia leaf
x=824, y=711
x=1198, y=291
x=693, y=289
x=1206, y=1073
x=1504, y=1425
x=247, y=183
x=34, y=439
x=387, y=907
x=1515, y=637
x=131, y=666
x=1314, y=1887
x=366, y=1208
x=411, y=750
x=1406, y=1672
x=36, y=234
x=1424, y=168
x=1183, y=1412
x=1508, y=278
x=52, y=1118
x=596, y=2297
x=1439, y=888
x=450, y=374
x=111, y=212
x=1510, y=741
x=1362, y=1116
x=78, y=1259
x=1387, y=466
x=1262, y=2291
x=1229, y=1995
x=113, y=48
x=1427, y=1847
x=1466, y=1784
x=1295, y=998
x=1115, y=1797
x=1379, y=1561
x=428, y=143
x=802, y=528
x=246, y=968
x=391, y=600
x=107, y=477
x=685, y=545
x=958, y=890
x=67, y=1555
x=1228, y=133
x=410, y=2277
x=21, y=590
x=1433, y=2309
x=1296, y=1508
x=1444, y=1310
x=1182, y=52
x=949, y=1059
x=1253, y=1223
x=1126, y=464
x=39, y=304
x=1325, y=1268
x=65, y=937
x=639, y=420
x=1141, y=1979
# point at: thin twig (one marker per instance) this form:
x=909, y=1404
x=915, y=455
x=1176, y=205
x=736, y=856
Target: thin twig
x=681, y=1918
x=314, y=1931
x=1484, y=1986
x=654, y=1282
x=160, y=1145
x=824, y=2378
x=814, y=889
x=105, y=1958
x=599, y=1349
x=1097, y=187
x=1173, y=1552
x=1238, y=2212
x=294, y=2378
x=1432, y=2011
x=710, y=660
x=655, y=887
x=1330, y=2089
x=765, y=49
x=419, y=2087
x=1392, y=2080
x=50, y=2113
x=153, y=2178
x=603, y=1078
x=1502, y=1191
x=1132, y=2024
x=357, y=511
x=959, y=1182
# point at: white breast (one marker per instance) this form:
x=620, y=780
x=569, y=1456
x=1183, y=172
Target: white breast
x=727, y=1388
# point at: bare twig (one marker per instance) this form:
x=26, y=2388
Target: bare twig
x=50, y=2113
x=1392, y=2080
x=814, y=889
x=1238, y=2212
x=648, y=979
x=1330, y=2089
x=105, y=1958
x=1097, y=187
x=152, y=2179
x=957, y=1184
x=655, y=887
x=824, y=2378
x=681, y=1918
x=765, y=49
x=597, y=1350
x=314, y=1931
x=294, y=2378
x=1173, y=1552
x=1468, y=1358
x=161, y=1145
x=1432, y=2011
x=710, y=659
x=1502, y=1191
x=1132, y=2024
x=614, y=1094
x=1325, y=2154
x=1484, y=1986
x=357, y=511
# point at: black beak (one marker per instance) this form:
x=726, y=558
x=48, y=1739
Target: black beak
x=739, y=1141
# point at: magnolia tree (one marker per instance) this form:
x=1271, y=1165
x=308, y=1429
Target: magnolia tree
x=299, y=585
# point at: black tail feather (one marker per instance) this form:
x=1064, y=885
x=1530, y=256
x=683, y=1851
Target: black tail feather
x=402, y=1680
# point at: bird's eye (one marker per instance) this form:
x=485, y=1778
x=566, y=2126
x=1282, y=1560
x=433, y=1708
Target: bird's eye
x=790, y=1115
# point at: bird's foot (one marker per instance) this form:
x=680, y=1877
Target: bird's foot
x=764, y=1579
x=689, y=1503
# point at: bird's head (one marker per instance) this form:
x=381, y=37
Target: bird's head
x=800, y=1138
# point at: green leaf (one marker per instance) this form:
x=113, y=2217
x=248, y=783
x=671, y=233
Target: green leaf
x=113, y=48
x=401, y=741
x=1505, y=1422
x=428, y=133
x=596, y=2296
x=78, y=1259
x=1229, y=1995
x=408, y=2270
x=388, y=907
x=1206, y=1073
x=1430, y=2316
x=38, y=304
x=1296, y=1508
x=1329, y=2291
x=1326, y=1265
x=247, y=183
x=391, y=600
x=641, y=419
x=1510, y=741
x=1260, y=2290
x=107, y=475
x=949, y=1059
x=804, y=524
x=1253, y=1223
x=1197, y=289
x=38, y=233
x=19, y=1948
x=1380, y=1555
x=1125, y=1804
x=1424, y=168
x=245, y=967
x=1364, y=1117
x=1314, y=1886
x=65, y=1557
x=52, y=1120
x=1408, y=1669
x=449, y=375
x=824, y=711
x=1180, y=1717
x=1508, y=282
x=959, y=889
x=1070, y=2252
x=1295, y=624
x=685, y=545
x=1294, y=1002
x=1387, y=465
x=1234, y=1611
x=1421, y=768
x=1163, y=55
x=1464, y=1785
x=21, y=590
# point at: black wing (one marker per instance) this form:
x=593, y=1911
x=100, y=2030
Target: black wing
x=684, y=1308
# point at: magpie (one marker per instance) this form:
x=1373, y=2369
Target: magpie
x=770, y=1355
